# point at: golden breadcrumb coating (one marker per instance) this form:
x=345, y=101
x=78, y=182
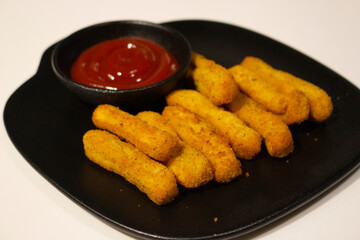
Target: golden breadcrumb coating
x=321, y=106
x=149, y=176
x=245, y=141
x=201, y=136
x=320, y=102
x=277, y=136
x=213, y=80
x=149, y=139
x=190, y=167
x=298, y=109
x=155, y=119
x=271, y=96
x=259, y=90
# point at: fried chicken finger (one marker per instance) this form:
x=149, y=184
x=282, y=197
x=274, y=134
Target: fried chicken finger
x=259, y=90
x=149, y=176
x=213, y=80
x=245, y=141
x=277, y=136
x=151, y=140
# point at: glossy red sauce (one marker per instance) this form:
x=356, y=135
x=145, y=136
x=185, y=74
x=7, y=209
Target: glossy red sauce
x=123, y=63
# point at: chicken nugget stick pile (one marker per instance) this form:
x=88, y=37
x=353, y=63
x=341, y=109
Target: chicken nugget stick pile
x=203, y=133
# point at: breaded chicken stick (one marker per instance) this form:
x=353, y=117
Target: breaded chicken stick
x=201, y=136
x=245, y=141
x=149, y=176
x=277, y=136
x=259, y=90
x=190, y=167
x=213, y=80
x=291, y=106
x=151, y=140
x=320, y=103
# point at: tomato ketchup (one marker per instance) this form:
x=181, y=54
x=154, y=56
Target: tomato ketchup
x=123, y=63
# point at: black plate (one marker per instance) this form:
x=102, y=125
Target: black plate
x=46, y=124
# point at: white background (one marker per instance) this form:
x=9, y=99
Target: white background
x=31, y=208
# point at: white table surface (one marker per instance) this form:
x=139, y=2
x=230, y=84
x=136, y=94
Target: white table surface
x=31, y=208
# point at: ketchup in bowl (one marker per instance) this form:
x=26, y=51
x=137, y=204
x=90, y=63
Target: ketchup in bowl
x=123, y=63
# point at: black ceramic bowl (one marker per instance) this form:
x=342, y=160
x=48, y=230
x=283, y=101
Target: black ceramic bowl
x=67, y=51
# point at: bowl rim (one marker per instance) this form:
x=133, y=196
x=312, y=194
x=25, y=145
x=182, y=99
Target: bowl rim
x=68, y=80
